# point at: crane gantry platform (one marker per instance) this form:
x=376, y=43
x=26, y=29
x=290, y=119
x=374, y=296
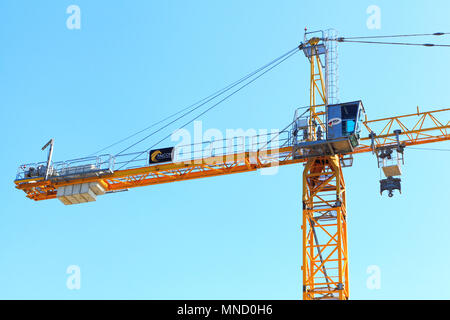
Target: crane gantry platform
x=324, y=136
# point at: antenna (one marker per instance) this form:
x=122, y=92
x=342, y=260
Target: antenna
x=49, y=158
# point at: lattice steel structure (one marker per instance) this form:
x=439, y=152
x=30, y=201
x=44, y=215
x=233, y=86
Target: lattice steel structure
x=325, y=256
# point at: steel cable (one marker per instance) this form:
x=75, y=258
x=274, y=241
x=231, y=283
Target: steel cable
x=292, y=52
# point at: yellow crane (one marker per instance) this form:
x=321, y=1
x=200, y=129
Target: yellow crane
x=324, y=137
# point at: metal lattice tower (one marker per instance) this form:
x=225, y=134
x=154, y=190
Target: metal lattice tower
x=325, y=259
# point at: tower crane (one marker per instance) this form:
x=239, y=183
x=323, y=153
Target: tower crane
x=324, y=137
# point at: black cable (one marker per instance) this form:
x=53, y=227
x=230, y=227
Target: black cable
x=209, y=98
x=290, y=124
x=212, y=97
x=397, y=36
x=394, y=43
x=167, y=118
x=145, y=129
x=213, y=106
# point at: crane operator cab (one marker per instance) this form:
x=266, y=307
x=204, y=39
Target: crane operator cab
x=339, y=132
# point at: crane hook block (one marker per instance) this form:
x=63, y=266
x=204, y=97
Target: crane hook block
x=390, y=184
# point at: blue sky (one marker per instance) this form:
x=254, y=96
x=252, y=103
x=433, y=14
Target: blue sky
x=231, y=237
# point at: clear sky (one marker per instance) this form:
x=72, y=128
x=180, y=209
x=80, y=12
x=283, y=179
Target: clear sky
x=234, y=237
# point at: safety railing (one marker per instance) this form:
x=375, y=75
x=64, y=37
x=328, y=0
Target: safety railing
x=183, y=153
